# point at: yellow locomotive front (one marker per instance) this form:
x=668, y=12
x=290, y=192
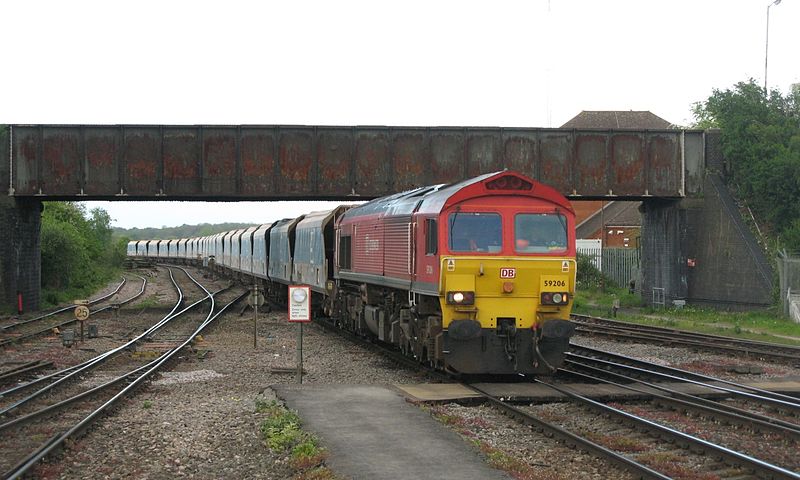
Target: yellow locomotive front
x=507, y=280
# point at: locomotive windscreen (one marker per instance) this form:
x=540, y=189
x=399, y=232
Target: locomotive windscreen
x=540, y=233
x=475, y=232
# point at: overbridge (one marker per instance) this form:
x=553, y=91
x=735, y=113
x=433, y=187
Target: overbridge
x=212, y=162
x=280, y=162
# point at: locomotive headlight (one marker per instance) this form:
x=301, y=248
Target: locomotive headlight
x=298, y=295
x=554, y=298
x=460, y=298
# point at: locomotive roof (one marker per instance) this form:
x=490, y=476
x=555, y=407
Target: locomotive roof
x=436, y=197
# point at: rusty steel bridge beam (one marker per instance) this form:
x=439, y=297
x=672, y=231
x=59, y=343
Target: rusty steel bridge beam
x=215, y=162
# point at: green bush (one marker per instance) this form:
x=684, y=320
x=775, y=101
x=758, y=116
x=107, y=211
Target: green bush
x=588, y=275
x=78, y=255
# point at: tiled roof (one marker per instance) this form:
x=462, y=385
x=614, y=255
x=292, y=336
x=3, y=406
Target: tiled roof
x=615, y=214
x=618, y=119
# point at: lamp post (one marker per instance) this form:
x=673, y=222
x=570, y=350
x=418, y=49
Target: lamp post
x=766, y=53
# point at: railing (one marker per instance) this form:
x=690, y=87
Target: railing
x=789, y=273
x=620, y=265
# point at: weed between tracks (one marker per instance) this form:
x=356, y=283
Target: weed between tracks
x=670, y=465
x=283, y=435
x=616, y=443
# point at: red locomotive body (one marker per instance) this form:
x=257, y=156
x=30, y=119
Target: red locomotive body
x=401, y=259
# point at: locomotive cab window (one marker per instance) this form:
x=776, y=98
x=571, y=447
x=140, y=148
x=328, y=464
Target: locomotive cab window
x=431, y=237
x=475, y=232
x=540, y=233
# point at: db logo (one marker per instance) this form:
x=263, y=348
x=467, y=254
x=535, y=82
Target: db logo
x=508, y=272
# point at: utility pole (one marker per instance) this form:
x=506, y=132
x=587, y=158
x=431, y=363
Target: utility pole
x=766, y=52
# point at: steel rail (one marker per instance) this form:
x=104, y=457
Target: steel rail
x=519, y=415
x=9, y=341
x=127, y=345
x=686, y=396
x=23, y=369
x=750, y=396
x=85, y=366
x=123, y=376
x=570, y=438
x=785, y=351
x=743, y=419
x=63, y=309
x=68, y=401
x=746, y=461
x=25, y=465
x=586, y=319
x=788, y=400
x=621, y=332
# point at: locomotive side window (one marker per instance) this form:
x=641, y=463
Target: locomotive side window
x=540, y=233
x=431, y=237
x=475, y=232
x=345, y=252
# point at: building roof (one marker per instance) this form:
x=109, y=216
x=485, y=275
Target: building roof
x=614, y=214
x=618, y=119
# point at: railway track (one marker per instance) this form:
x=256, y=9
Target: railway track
x=667, y=336
x=639, y=424
x=32, y=328
x=636, y=369
x=22, y=370
x=61, y=309
x=643, y=442
x=98, y=396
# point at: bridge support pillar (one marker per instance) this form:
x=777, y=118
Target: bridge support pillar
x=20, y=253
x=663, y=237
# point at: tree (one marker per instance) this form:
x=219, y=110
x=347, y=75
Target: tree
x=760, y=137
x=78, y=254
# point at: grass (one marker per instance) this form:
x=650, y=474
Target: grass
x=515, y=467
x=54, y=297
x=283, y=434
x=763, y=325
x=149, y=302
x=673, y=466
x=620, y=444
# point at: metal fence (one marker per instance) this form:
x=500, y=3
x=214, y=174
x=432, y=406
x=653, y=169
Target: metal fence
x=620, y=265
x=789, y=272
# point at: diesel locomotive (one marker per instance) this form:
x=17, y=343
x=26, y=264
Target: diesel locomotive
x=475, y=277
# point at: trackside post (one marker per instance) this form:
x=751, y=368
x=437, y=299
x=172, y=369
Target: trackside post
x=300, y=313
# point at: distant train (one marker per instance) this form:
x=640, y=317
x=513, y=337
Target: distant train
x=475, y=277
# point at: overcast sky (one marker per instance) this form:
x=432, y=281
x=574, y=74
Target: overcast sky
x=534, y=63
